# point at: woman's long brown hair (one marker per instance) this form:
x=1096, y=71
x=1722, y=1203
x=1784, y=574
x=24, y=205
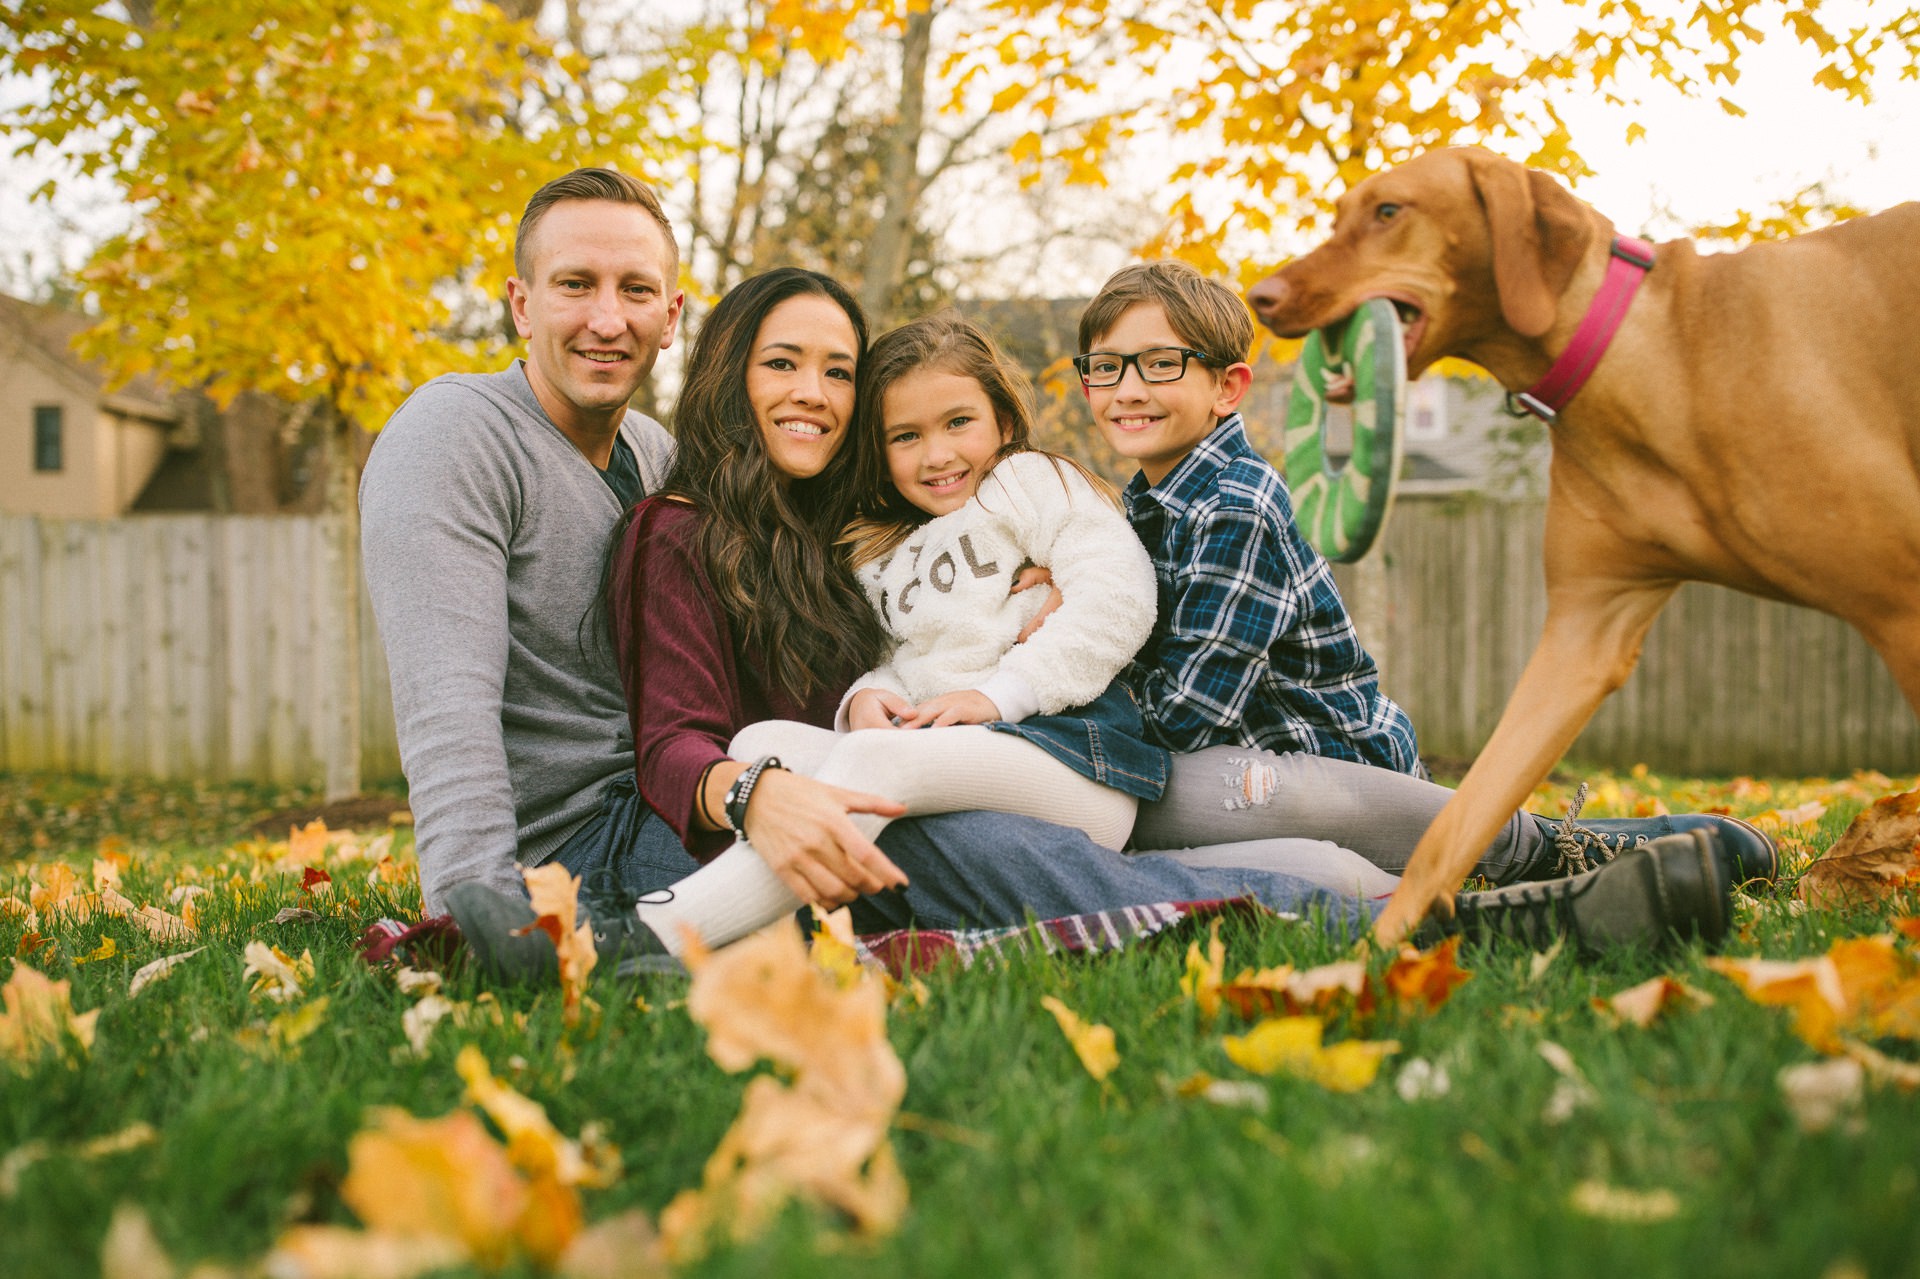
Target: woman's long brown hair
x=767, y=544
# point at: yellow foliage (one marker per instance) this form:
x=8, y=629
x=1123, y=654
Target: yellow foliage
x=1092, y=1042
x=36, y=1017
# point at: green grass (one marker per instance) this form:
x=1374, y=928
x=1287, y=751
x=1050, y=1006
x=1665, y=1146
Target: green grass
x=1018, y=1163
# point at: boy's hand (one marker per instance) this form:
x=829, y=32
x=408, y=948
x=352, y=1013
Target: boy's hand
x=968, y=706
x=1028, y=578
x=877, y=708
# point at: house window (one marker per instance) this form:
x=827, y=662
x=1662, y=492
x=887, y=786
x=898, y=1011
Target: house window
x=1427, y=410
x=47, y=451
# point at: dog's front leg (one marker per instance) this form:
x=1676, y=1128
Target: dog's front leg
x=1589, y=647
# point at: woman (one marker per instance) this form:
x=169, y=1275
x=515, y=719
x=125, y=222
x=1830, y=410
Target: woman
x=731, y=605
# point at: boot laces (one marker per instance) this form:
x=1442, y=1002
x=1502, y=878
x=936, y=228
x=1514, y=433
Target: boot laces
x=607, y=902
x=1533, y=913
x=1579, y=849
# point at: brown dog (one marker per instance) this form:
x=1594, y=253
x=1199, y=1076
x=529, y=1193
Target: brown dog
x=1755, y=422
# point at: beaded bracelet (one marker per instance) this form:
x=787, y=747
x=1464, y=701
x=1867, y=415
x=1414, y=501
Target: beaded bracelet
x=742, y=790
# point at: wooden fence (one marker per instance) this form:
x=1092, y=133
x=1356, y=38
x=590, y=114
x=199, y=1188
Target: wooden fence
x=185, y=646
x=1726, y=684
x=201, y=646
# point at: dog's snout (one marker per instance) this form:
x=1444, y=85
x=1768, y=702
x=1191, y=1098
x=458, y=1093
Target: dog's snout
x=1267, y=297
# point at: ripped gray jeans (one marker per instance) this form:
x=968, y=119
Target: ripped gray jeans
x=1234, y=794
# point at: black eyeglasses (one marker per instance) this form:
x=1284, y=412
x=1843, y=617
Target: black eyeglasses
x=1157, y=364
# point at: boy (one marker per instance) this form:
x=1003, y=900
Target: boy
x=1254, y=675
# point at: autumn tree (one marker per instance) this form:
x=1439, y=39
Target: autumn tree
x=314, y=185
x=1280, y=106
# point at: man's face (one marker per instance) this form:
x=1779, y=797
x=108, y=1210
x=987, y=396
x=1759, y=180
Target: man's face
x=599, y=307
x=1157, y=424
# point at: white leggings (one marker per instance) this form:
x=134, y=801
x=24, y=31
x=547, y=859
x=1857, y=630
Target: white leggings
x=962, y=768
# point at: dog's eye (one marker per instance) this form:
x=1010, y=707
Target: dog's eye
x=1386, y=212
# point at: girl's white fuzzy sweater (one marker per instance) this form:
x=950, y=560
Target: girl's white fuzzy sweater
x=943, y=594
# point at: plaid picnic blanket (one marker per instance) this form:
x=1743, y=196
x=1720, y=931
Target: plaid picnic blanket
x=434, y=942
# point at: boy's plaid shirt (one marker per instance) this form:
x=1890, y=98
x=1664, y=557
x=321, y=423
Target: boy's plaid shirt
x=1252, y=645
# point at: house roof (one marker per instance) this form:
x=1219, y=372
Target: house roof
x=49, y=331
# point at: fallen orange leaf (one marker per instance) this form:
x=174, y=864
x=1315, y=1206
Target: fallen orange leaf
x=308, y=844
x=1864, y=983
x=824, y=1134
x=1878, y=853
x=556, y=905
x=1426, y=978
x=1641, y=1005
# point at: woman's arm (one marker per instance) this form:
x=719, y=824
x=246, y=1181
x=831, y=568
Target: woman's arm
x=684, y=697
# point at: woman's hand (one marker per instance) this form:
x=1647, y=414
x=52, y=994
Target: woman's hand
x=968, y=706
x=800, y=828
x=876, y=708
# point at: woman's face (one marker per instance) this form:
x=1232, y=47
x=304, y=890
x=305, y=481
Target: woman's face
x=800, y=383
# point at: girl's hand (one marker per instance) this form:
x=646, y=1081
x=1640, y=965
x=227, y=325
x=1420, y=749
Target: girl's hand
x=1027, y=579
x=968, y=706
x=799, y=827
x=876, y=708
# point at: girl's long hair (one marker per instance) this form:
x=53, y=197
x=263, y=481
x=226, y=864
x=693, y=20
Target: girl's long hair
x=767, y=543
x=950, y=343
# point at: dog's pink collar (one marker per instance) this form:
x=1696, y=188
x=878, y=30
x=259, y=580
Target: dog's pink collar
x=1631, y=260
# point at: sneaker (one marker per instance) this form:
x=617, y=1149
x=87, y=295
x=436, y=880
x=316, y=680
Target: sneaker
x=1666, y=890
x=618, y=935
x=489, y=920
x=1582, y=846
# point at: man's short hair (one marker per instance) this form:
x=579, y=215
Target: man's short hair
x=1207, y=315
x=588, y=184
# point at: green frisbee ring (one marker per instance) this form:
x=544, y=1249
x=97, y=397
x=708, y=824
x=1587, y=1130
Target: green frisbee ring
x=1342, y=509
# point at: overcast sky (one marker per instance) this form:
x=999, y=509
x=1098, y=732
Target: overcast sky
x=1695, y=164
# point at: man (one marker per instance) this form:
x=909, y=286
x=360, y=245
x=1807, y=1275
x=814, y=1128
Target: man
x=487, y=509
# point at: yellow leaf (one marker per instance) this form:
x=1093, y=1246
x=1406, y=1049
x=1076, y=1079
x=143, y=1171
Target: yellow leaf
x=1279, y=1043
x=833, y=949
x=1292, y=1045
x=276, y=975
x=107, y=949
x=1641, y=1005
x=533, y=1144
x=1203, y=976
x=36, y=1016
x=1092, y=1042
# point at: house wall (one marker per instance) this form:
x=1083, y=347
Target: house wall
x=105, y=459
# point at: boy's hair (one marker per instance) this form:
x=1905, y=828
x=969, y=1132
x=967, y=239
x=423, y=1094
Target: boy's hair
x=1204, y=313
x=589, y=184
x=949, y=342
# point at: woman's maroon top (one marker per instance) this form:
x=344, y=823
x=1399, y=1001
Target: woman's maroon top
x=689, y=689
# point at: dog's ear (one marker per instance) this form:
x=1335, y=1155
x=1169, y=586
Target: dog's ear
x=1538, y=233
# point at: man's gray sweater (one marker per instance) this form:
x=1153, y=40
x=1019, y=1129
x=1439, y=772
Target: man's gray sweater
x=484, y=533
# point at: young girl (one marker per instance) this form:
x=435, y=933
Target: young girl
x=963, y=713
